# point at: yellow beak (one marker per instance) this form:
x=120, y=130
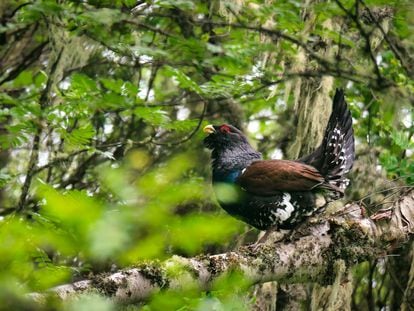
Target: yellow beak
x=209, y=129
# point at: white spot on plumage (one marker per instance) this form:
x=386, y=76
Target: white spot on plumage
x=284, y=213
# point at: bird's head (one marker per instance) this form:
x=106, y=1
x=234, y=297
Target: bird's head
x=221, y=137
x=231, y=150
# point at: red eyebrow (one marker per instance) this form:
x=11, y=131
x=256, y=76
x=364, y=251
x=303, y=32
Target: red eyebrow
x=225, y=128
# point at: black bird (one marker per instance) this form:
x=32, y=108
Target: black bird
x=280, y=194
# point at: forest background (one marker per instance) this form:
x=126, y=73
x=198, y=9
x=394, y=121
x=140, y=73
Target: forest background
x=102, y=165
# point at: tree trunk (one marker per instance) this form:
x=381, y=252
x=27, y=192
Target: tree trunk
x=4, y=159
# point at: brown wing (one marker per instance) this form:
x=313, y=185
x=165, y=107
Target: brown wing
x=270, y=176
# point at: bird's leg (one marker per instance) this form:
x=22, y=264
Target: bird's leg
x=265, y=236
x=303, y=228
x=255, y=245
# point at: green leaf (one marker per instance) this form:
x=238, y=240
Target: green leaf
x=108, y=236
x=83, y=84
x=103, y=16
x=401, y=139
x=4, y=179
x=74, y=211
x=90, y=302
x=202, y=229
x=113, y=85
x=184, y=126
x=113, y=100
x=79, y=136
x=154, y=116
x=183, y=80
x=182, y=4
x=40, y=78
x=25, y=78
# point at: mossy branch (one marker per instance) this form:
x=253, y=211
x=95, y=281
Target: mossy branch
x=310, y=255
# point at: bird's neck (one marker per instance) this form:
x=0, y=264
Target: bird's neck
x=228, y=163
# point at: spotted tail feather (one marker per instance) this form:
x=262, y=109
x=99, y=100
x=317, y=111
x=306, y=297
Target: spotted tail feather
x=335, y=156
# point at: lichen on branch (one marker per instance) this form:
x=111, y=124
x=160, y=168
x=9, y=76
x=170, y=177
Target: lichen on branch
x=312, y=254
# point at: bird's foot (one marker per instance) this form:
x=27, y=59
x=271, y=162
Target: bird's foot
x=302, y=229
x=265, y=238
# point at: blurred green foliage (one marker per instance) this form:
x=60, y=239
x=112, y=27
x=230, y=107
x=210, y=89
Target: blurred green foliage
x=115, y=92
x=76, y=232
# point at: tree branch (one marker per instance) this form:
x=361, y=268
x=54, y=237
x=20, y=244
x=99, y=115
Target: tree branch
x=43, y=102
x=311, y=256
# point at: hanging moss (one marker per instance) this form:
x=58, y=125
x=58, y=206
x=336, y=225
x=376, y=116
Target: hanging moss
x=74, y=51
x=312, y=98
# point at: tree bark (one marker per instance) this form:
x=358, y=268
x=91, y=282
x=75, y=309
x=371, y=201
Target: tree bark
x=321, y=252
x=4, y=159
x=408, y=300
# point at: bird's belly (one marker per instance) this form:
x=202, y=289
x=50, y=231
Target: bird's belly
x=284, y=210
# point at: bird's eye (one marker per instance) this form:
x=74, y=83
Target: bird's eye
x=225, y=129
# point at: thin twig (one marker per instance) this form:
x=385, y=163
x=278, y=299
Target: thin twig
x=355, y=18
x=36, y=140
x=200, y=121
x=397, y=54
x=156, y=30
